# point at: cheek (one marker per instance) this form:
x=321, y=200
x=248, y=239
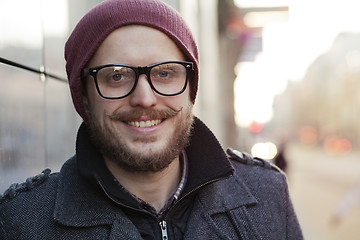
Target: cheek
x=183, y=100
x=99, y=107
x=93, y=102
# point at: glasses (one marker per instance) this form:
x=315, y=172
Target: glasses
x=115, y=81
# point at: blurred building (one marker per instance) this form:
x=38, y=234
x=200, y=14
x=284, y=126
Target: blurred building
x=326, y=100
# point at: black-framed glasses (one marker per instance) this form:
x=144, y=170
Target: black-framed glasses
x=115, y=81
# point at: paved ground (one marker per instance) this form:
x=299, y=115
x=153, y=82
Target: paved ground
x=322, y=185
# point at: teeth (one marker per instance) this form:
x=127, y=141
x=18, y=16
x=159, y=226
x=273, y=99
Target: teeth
x=144, y=124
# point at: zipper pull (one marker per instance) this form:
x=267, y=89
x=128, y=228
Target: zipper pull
x=163, y=230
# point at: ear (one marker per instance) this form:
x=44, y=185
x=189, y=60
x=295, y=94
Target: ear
x=85, y=98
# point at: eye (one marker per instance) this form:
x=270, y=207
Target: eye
x=163, y=74
x=116, y=77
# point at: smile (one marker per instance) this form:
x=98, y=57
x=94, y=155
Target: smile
x=144, y=124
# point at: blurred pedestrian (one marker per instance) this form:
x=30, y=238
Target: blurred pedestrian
x=280, y=158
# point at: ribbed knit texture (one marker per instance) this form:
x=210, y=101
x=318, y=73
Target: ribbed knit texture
x=109, y=15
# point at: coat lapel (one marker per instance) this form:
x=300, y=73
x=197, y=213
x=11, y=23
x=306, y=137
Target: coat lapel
x=78, y=204
x=220, y=212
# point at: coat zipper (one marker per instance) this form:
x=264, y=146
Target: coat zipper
x=202, y=185
x=138, y=210
x=163, y=227
x=162, y=223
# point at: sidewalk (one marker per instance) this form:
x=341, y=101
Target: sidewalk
x=320, y=183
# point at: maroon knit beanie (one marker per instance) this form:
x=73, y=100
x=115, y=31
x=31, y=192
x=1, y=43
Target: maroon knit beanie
x=109, y=15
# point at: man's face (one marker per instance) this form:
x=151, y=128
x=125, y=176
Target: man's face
x=144, y=131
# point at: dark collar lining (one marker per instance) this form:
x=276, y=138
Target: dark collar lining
x=207, y=159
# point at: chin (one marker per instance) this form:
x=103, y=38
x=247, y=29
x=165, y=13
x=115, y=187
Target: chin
x=147, y=149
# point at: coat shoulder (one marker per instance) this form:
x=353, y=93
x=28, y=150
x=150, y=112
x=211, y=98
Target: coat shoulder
x=44, y=183
x=246, y=159
x=30, y=184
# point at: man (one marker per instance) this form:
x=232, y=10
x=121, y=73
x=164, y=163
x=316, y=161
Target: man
x=145, y=167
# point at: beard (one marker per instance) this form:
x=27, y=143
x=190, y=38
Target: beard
x=113, y=146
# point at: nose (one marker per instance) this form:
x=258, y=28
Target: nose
x=143, y=95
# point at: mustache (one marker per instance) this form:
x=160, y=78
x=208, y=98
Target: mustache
x=130, y=115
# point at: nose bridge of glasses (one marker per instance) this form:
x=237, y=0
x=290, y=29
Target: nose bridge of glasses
x=144, y=71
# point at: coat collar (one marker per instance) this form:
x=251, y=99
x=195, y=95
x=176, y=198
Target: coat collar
x=207, y=160
x=82, y=201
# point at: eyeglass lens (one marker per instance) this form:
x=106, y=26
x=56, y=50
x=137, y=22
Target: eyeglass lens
x=118, y=81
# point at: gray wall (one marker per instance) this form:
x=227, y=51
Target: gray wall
x=38, y=123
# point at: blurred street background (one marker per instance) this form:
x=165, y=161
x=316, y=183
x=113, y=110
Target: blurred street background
x=326, y=193
x=280, y=79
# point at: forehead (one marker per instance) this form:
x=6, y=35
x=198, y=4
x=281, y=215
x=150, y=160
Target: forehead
x=136, y=45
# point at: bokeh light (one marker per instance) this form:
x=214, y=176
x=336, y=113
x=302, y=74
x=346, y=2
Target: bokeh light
x=266, y=150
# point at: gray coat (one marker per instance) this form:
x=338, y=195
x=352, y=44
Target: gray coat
x=252, y=204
